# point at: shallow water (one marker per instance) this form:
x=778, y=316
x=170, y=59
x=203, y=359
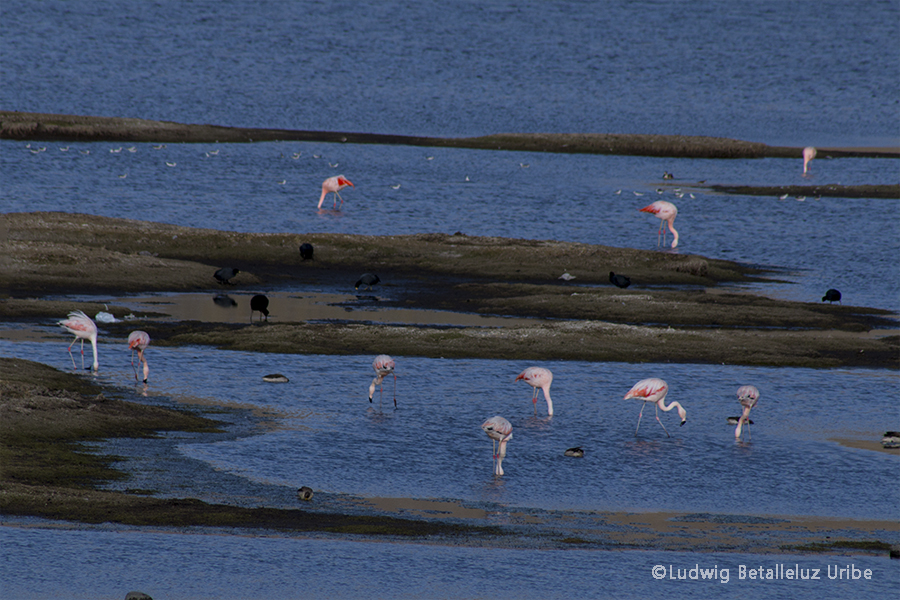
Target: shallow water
x=775, y=72
x=328, y=436
x=167, y=565
x=818, y=243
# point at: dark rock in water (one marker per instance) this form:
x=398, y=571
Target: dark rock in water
x=891, y=439
x=306, y=251
x=275, y=378
x=137, y=596
x=576, y=452
x=305, y=493
x=223, y=275
x=368, y=280
x=734, y=420
x=832, y=296
x=619, y=280
x=895, y=551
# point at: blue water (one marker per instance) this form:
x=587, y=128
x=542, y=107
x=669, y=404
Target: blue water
x=177, y=566
x=781, y=73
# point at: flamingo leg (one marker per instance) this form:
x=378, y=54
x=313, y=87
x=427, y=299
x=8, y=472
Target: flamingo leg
x=395, y=391
x=72, y=357
x=660, y=422
x=132, y=364
x=534, y=400
x=82, y=354
x=641, y=414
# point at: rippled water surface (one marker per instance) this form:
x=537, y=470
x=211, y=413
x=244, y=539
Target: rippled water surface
x=328, y=436
x=781, y=73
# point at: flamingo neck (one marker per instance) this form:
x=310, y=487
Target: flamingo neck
x=322, y=197
x=674, y=232
x=741, y=421
x=681, y=412
x=549, y=403
x=94, y=346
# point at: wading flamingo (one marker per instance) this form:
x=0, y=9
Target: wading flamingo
x=748, y=396
x=538, y=378
x=139, y=340
x=809, y=153
x=654, y=390
x=499, y=430
x=384, y=366
x=666, y=212
x=83, y=328
x=334, y=185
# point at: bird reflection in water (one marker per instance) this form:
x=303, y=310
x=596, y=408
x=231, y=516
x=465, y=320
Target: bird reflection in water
x=224, y=300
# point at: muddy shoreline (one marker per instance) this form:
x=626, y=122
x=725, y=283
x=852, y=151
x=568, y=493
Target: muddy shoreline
x=81, y=128
x=46, y=256
x=50, y=476
x=677, y=309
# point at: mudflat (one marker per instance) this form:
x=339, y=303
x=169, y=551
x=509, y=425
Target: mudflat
x=679, y=308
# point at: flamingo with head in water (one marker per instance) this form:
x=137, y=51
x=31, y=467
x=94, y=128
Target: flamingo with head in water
x=499, y=430
x=139, y=340
x=538, y=378
x=666, y=212
x=84, y=328
x=384, y=366
x=654, y=390
x=748, y=396
x=334, y=185
x=809, y=153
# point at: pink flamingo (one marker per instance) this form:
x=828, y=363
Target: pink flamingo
x=748, y=396
x=333, y=185
x=809, y=153
x=84, y=328
x=654, y=390
x=499, y=430
x=666, y=212
x=139, y=340
x=384, y=366
x=539, y=378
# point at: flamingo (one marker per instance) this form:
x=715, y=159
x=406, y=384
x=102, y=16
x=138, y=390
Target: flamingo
x=538, y=377
x=748, y=396
x=82, y=327
x=139, y=340
x=654, y=390
x=809, y=153
x=334, y=184
x=384, y=366
x=499, y=430
x=666, y=212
